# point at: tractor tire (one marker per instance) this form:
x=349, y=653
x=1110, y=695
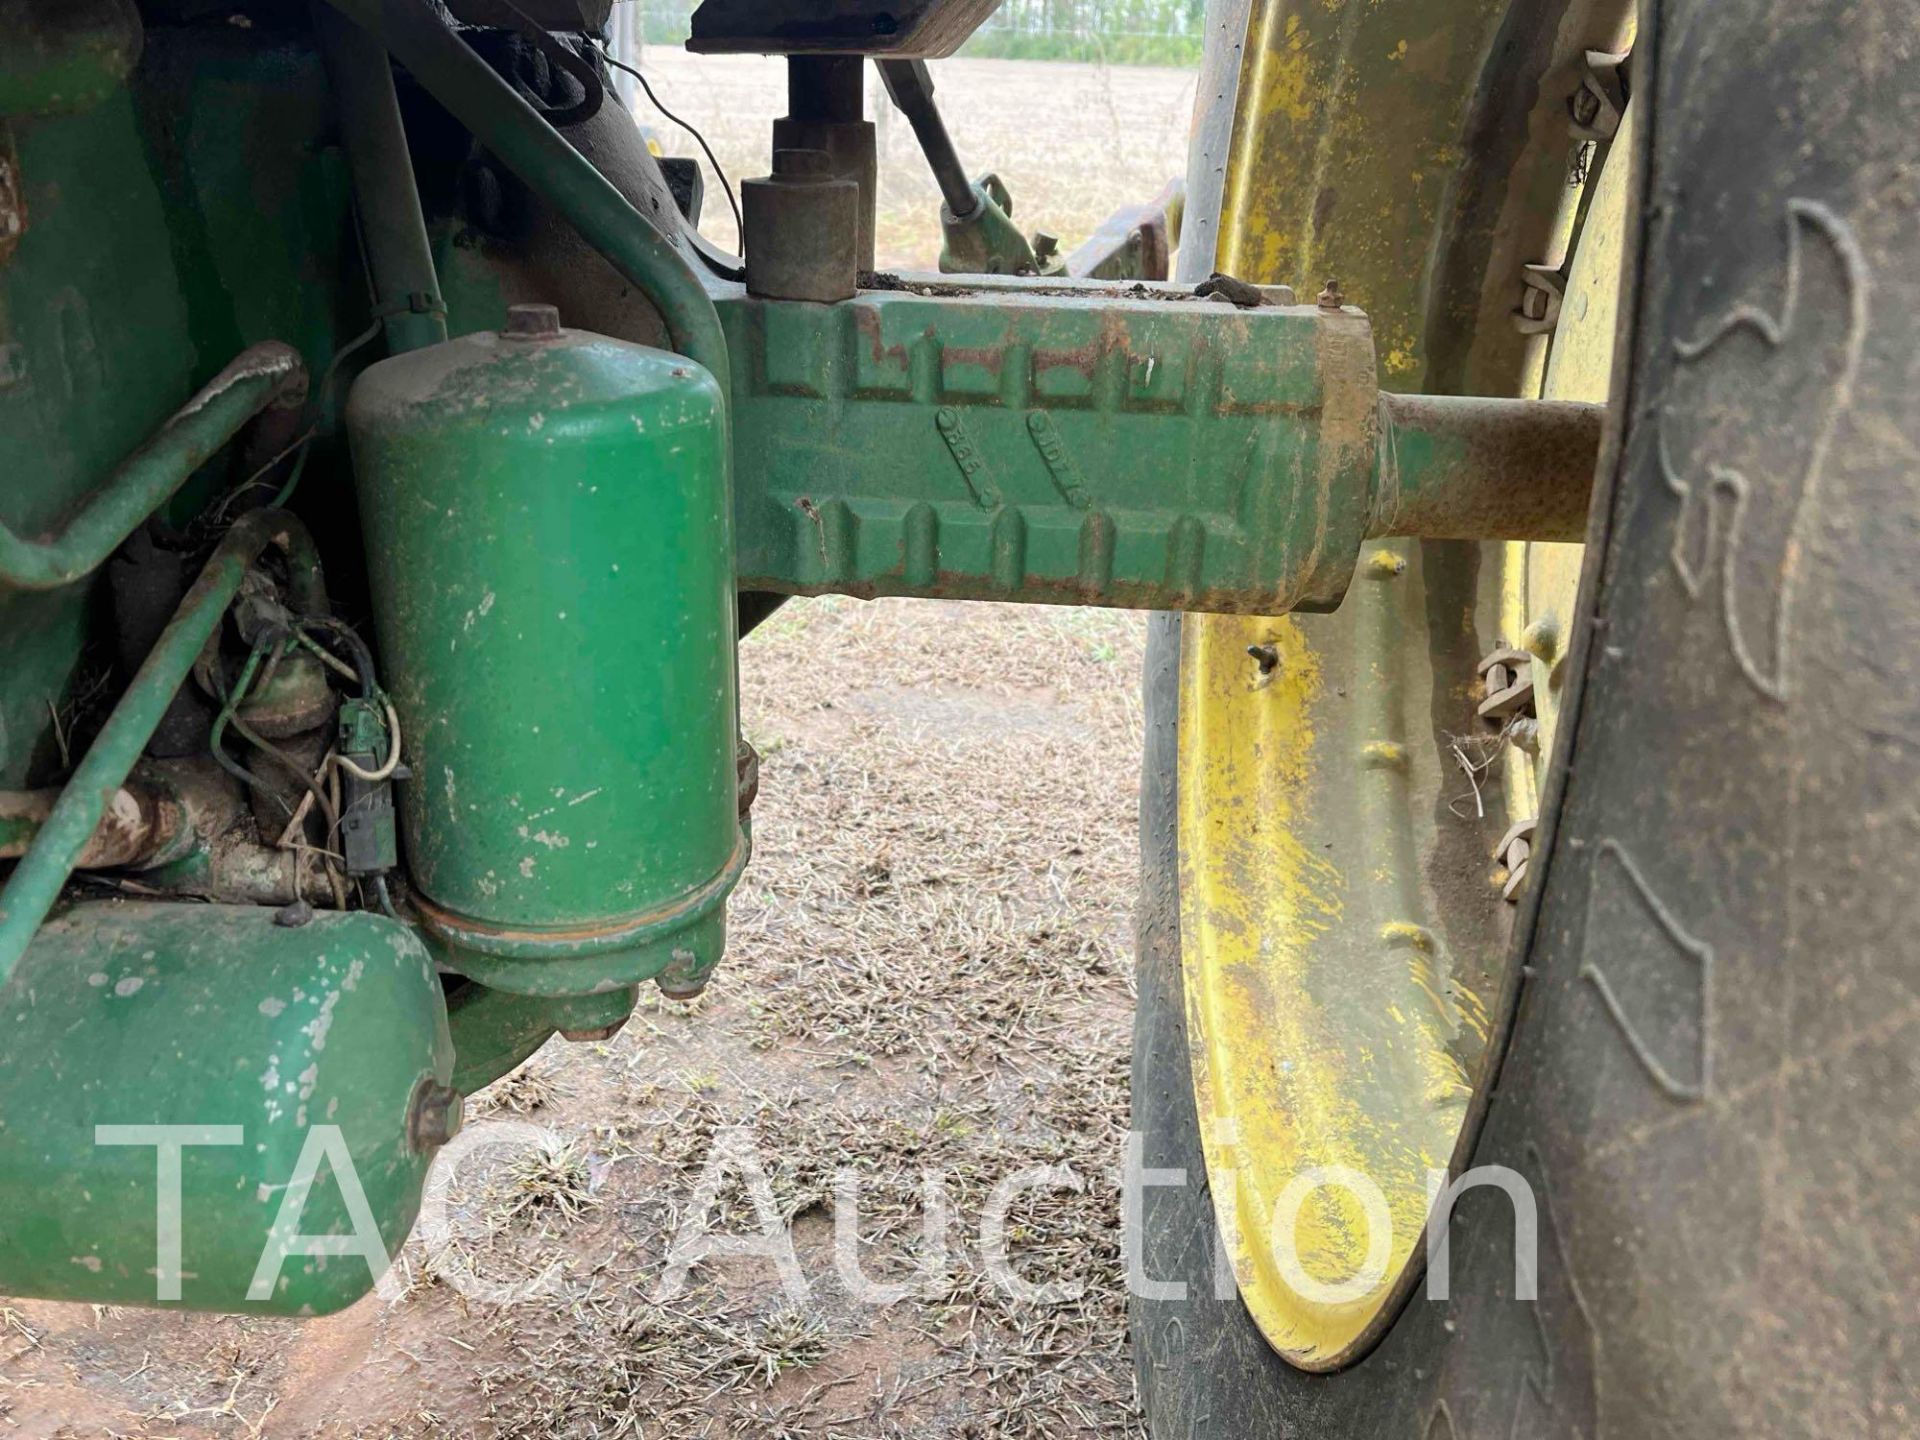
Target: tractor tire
x=1709, y=1078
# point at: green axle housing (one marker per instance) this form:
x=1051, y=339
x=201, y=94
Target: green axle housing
x=550, y=544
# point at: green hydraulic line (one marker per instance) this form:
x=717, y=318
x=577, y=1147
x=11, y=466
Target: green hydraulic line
x=147, y=479
x=36, y=882
x=399, y=260
x=513, y=130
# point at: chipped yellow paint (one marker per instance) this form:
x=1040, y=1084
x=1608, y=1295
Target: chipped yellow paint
x=1303, y=1059
x=1315, y=1090
x=1328, y=1025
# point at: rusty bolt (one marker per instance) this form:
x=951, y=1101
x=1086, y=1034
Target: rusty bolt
x=532, y=322
x=1330, y=296
x=1506, y=684
x=1515, y=851
x=292, y=917
x=1267, y=657
x=1046, y=245
x=434, y=1117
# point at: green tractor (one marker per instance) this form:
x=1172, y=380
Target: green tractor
x=1510, y=399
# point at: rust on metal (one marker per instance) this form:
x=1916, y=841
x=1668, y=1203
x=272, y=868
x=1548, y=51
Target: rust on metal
x=1506, y=684
x=747, y=769
x=136, y=824
x=1521, y=469
x=488, y=938
x=1136, y=241
x=13, y=200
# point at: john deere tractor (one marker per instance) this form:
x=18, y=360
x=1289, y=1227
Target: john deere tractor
x=1509, y=421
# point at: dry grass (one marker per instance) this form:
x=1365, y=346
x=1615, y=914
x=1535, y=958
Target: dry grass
x=534, y=1087
x=929, y=972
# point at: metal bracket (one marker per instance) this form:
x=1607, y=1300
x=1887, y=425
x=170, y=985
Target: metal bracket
x=1542, y=289
x=1594, y=111
x=1506, y=684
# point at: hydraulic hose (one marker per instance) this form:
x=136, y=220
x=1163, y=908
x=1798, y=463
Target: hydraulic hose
x=146, y=480
x=69, y=827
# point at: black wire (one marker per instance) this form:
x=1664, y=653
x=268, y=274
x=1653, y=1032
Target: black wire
x=732, y=204
x=350, y=638
x=535, y=30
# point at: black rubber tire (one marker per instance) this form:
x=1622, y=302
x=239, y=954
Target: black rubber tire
x=1710, y=1084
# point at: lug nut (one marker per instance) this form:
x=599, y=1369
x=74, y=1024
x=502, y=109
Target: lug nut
x=1597, y=107
x=1542, y=290
x=1506, y=684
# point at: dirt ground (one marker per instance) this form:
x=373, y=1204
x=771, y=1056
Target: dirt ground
x=930, y=970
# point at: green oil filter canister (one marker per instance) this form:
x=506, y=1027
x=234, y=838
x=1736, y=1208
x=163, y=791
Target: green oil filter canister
x=550, y=551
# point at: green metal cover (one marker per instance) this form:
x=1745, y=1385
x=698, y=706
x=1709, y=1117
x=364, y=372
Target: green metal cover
x=209, y=1016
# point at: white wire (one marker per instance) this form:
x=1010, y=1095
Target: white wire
x=393, y=752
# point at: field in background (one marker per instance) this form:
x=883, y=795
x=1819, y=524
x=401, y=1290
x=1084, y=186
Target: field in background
x=1099, y=32
x=930, y=967
x=1074, y=142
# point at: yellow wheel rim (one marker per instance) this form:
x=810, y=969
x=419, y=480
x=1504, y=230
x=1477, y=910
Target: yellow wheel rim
x=1342, y=935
